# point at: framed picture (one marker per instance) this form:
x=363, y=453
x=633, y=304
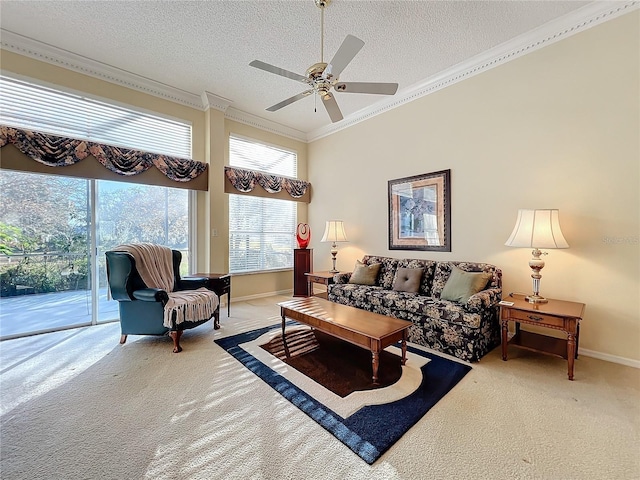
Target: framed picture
x=420, y=212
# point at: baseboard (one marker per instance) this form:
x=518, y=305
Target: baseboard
x=629, y=362
x=262, y=295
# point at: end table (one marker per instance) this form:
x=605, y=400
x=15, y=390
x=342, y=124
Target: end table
x=323, y=278
x=556, y=315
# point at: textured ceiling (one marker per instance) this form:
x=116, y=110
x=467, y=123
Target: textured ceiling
x=199, y=46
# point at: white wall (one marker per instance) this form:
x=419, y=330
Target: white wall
x=558, y=128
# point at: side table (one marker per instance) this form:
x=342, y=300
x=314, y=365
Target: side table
x=302, y=264
x=556, y=314
x=220, y=283
x=323, y=278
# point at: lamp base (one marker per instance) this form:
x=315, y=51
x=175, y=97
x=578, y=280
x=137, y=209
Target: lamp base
x=334, y=253
x=536, y=299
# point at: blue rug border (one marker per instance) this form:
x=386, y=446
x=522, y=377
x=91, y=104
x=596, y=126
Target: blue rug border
x=367, y=439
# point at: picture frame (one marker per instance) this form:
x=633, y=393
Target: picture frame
x=420, y=212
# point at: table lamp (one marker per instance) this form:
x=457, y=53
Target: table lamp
x=537, y=229
x=334, y=232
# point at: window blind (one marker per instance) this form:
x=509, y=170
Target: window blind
x=35, y=107
x=261, y=230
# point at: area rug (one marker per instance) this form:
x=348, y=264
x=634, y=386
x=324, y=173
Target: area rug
x=372, y=428
x=338, y=366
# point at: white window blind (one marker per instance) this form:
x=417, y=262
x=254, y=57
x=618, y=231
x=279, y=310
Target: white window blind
x=34, y=107
x=261, y=230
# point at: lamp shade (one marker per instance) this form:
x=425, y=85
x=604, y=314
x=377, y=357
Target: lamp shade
x=537, y=229
x=334, y=232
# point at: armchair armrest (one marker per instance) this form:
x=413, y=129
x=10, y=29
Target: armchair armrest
x=151, y=295
x=192, y=283
x=483, y=300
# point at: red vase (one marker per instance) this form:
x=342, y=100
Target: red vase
x=303, y=235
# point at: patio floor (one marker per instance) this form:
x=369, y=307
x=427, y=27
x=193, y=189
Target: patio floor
x=45, y=311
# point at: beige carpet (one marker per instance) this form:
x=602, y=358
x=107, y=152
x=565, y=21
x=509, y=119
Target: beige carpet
x=77, y=405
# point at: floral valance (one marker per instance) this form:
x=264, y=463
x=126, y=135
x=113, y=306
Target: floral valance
x=56, y=151
x=246, y=180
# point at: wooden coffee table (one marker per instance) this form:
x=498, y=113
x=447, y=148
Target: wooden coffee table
x=360, y=327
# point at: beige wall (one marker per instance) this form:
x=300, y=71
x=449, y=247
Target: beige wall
x=558, y=128
x=210, y=144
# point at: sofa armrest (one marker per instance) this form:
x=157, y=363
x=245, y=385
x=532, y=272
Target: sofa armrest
x=483, y=300
x=342, y=277
x=151, y=295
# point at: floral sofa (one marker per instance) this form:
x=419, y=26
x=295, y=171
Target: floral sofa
x=465, y=330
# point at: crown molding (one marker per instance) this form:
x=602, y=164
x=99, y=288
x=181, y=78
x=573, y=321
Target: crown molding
x=582, y=19
x=264, y=124
x=56, y=56
x=563, y=27
x=210, y=100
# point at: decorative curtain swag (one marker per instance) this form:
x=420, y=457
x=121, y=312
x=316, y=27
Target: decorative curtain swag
x=56, y=151
x=246, y=180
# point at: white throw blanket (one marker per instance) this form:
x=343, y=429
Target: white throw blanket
x=155, y=266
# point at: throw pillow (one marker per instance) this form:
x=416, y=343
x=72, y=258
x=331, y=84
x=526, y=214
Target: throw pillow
x=408, y=280
x=365, y=274
x=461, y=285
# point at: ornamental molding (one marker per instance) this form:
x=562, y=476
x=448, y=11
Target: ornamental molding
x=210, y=100
x=563, y=27
x=264, y=124
x=28, y=47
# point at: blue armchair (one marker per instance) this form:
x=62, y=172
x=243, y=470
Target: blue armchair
x=142, y=308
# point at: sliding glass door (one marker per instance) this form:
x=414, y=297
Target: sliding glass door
x=45, y=280
x=54, y=231
x=132, y=213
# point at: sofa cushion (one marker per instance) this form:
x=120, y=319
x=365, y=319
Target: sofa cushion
x=428, y=266
x=443, y=271
x=408, y=279
x=387, y=269
x=461, y=285
x=365, y=274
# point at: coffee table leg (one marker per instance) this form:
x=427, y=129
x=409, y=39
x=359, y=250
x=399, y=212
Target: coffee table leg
x=404, y=347
x=284, y=340
x=375, y=362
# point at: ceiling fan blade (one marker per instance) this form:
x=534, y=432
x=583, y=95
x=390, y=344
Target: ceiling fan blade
x=332, y=108
x=278, y=71
x=367, y=87
x=288, y=101
x=349, y=49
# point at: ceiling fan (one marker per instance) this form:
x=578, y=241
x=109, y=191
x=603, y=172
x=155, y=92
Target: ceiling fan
x=322, y=77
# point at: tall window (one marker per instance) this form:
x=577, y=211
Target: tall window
x=34, y=107
x=54, y=230
x=261, y=230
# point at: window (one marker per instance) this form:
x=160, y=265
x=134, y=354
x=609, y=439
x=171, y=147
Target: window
x=34, y=107
x=54, y=230
x=261, y=230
